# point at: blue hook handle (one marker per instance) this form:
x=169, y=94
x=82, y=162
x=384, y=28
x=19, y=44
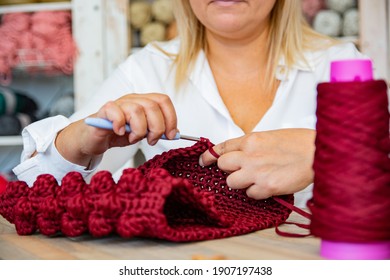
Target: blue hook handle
x=106, y=124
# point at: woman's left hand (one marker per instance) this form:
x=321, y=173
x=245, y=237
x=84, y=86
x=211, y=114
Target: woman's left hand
x=267, y=163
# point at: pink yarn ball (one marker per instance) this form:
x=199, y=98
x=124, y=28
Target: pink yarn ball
x=311, y=7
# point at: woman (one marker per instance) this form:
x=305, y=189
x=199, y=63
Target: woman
x=241, y=70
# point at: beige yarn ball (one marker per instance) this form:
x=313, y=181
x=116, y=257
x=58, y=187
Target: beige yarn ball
x=140, y=14
x=153, y=31
x=341, y=6
x=351, y=22
x=328, y=22
x=162, y=10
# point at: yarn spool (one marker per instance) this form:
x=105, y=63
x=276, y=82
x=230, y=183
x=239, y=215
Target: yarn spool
x=350, y=205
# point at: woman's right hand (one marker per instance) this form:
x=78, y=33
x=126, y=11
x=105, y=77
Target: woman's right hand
x=149, y=115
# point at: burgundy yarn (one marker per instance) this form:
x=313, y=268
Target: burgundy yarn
x=352, y=166
x=170, y=197
x=3, y=184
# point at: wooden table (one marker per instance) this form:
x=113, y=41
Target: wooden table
x=264, y=244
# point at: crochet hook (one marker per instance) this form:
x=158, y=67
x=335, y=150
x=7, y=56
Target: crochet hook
x=106, y=124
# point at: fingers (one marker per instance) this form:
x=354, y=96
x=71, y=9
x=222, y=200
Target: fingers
x=258, y=192
x=257, y=185
x=158, y=117
x=211, y=156
x=112, y=111
x=239, y=179
x=169, y=114
x=247, y=174
x=136, y=118
x=149, y=115
x=159, y=113
x=245, y=171
x=266, y=163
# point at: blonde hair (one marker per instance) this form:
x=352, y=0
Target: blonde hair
x=289, y=37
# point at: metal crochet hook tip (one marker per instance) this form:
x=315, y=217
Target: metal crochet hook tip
x=189, y=138
x=106, y=124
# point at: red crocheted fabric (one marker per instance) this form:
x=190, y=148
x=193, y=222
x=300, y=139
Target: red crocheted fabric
x=170, y=197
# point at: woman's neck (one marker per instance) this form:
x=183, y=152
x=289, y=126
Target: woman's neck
x=239, y=68
x=244, y=55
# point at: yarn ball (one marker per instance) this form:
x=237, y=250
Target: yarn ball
x=36, y=42
x=328, y=22
x=15, y=123
x=63, y=106
x=351, y=23
x=341, y=6
x=140, y=14
x=153, y=31
x=12, y=101
x=162, y=10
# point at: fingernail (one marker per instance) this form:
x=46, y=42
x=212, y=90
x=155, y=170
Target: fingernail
x=172, y=133
x=132, y=138
x=122, y=131
x=153, y=142
x=201, y=161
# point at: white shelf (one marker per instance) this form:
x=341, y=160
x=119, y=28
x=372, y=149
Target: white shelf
x=11, y=141
x=25, y=8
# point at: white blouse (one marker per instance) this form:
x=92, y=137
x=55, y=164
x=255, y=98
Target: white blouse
x=199, y=108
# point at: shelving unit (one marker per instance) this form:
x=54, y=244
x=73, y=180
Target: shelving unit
x=100, y=30
x=11, y=141
x=7, y=141
x=14, y=141
x=19, y=8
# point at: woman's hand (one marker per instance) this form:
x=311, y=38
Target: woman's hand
x=149, y=115
x=267, y=163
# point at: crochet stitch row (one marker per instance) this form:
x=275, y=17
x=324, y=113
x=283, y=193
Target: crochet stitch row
x=170, y=197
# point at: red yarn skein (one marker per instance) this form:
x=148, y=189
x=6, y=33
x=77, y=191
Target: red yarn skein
x=352, y=166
